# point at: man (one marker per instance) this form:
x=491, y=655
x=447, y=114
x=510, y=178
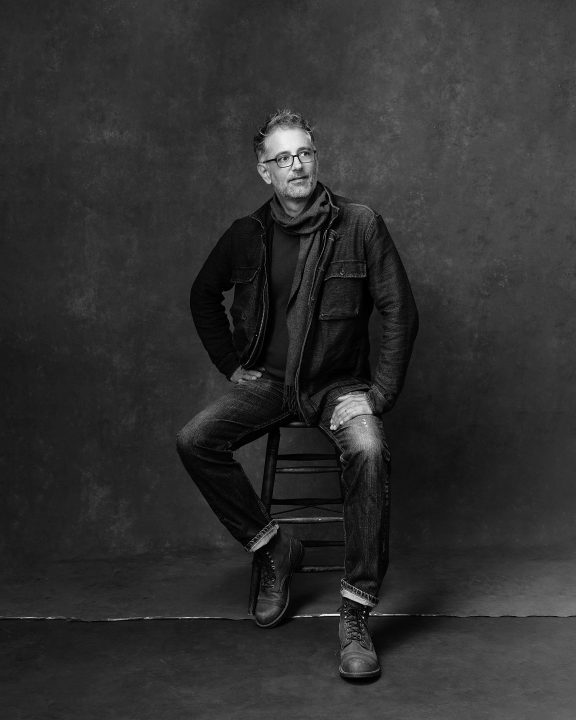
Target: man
x=307, y=269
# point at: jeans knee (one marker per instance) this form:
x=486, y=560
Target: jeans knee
x=200, y=436
x=181, y=442
x=187, y=440
x=367, y=440
x=369, y=449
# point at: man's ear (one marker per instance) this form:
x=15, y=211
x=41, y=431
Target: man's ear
x=263, y=172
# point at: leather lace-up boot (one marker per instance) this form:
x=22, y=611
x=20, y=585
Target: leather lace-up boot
x=358, y=659
x=278, y=559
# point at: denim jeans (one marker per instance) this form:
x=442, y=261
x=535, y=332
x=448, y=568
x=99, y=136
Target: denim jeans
x=249, y=410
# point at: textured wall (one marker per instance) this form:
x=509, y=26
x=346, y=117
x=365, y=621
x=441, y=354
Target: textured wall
x=126, y=130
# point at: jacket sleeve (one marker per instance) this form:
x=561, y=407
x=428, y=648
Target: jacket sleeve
x=393, y=299
x=207, y=306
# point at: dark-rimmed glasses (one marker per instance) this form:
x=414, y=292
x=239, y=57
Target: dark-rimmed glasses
x=285, y=160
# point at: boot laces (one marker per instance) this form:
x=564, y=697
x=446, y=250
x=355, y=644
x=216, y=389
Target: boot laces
x=355, y=622
x=268, y=577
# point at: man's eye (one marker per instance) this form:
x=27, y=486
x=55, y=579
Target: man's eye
x=305, y=154
x=283, y=158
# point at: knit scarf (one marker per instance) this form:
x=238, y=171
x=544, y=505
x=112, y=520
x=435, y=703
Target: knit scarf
x=308, y=227
x=310, y=220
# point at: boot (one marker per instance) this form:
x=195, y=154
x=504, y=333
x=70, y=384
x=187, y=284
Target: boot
x=278, y=559
x=358, y=659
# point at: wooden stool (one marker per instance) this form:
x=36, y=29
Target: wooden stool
x=304, y=466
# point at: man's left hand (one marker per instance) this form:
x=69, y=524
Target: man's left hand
x=349, y=406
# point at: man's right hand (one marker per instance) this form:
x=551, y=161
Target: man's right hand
x=240, y=375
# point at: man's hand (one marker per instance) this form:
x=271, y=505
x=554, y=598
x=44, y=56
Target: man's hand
x=349, y=406
x=242, y=376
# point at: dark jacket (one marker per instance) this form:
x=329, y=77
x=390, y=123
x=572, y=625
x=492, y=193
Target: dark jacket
x=359, y=268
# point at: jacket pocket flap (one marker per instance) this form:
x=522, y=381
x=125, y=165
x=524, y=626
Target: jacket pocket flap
x=243, y=274
x=346, y=269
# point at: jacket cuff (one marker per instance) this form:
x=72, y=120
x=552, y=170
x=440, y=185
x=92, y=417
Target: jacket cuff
x=228, y=365
x=379, y=402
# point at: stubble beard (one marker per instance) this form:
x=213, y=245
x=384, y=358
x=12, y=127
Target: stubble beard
x=300, y=190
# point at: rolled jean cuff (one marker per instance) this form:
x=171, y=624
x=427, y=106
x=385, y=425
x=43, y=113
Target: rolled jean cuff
x=264, y=536
x=351, y=593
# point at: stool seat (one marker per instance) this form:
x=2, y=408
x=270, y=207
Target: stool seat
x=330, y=464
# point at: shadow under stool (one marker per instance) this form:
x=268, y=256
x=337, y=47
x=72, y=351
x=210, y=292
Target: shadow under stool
x=299, y=510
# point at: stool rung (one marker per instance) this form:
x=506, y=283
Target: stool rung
x=305, y=456
x=305, y=469
x=300, y=464
x=304, y=502
x=319, y=568
x=311, y=519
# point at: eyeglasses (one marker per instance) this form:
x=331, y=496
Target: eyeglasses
x=285, y=160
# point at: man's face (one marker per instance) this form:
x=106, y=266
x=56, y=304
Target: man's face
x=292, y=183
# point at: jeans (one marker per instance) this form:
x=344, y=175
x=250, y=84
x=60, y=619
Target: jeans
x=248, y=411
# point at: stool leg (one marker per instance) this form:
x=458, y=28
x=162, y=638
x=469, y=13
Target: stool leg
x=268, y=478
x=270, y=462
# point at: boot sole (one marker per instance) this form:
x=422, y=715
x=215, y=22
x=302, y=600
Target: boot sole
x=277, y=620
x=368, y=675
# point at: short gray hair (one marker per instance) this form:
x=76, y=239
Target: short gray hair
x=284, y=118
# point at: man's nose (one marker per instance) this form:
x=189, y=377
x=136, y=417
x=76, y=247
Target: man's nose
x=295, y=160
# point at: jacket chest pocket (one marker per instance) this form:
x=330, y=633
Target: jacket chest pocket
x=245, y=281
x=342, y=290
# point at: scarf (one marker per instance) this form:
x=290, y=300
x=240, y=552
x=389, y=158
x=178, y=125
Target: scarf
x=308, y=226
x=310, y=220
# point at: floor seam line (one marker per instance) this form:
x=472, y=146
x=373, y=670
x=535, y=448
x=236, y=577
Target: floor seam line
x=75, y=618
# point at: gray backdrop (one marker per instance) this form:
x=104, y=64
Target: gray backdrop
x=126, y=149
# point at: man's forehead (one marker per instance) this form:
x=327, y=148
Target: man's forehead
x=288, y=139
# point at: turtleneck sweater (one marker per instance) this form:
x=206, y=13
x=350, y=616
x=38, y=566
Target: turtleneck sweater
x=284, y=257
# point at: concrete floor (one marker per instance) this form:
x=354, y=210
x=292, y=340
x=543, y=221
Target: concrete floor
x=447, y=647
x=479, y=582
x=433, y=669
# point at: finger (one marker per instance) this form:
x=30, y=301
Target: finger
x=350, y=401
x=245, y=379
x=334, y=420
x=349, y=409
x=339, y=420
x=358, y=403
x=342, y=415
x=352, y=411
x=344, y=407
